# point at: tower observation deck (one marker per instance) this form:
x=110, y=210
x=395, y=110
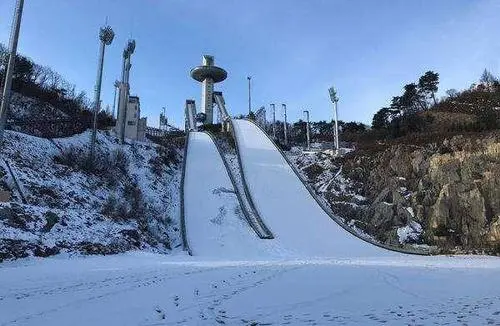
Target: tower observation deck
x=208, y=74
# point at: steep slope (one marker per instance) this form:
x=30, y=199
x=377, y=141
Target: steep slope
x=215, y=224
x=128, y=201
x=285, y=205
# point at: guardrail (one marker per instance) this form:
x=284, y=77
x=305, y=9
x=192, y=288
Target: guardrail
x=185, y=242
x=250, y=221
x=268, y=233
x=328, y=211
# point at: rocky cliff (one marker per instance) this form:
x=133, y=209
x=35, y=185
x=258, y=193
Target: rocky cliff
x=445, y=193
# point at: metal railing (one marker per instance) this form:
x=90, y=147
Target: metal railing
x=260, y=231
x=185, y=242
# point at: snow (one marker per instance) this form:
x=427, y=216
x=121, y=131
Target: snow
x=287, y=208
x=312, y=273
x=215, y=224
x=150, y=289
x=409, y=232
x=77, y=197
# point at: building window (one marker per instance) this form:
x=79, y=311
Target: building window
x=131, y=123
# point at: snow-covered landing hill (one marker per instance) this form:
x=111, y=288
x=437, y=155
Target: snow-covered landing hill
x=130, y=200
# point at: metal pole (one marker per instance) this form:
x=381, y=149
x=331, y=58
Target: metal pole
x=249, y=95
x=123, y=103
x=307, y=130
x=106, y=36
x=14, y=38
x=117, y=85
x=121, y=94
x=336, y=130
x=285, y=127
x=334, y=98
x=126, y=90
x=97, y=99
x=274, y=121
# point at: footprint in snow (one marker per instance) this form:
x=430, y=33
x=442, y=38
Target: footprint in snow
x=160, y=313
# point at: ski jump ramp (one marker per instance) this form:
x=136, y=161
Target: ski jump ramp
x=295, y=218
x=214, y=224
x=214, y=220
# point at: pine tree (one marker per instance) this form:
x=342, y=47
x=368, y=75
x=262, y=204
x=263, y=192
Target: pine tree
x=428, y=85
x=487, y=78
x=381, y=118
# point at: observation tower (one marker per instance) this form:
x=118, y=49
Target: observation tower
x=208, y=74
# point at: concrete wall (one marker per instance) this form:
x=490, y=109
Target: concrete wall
x=132, y=117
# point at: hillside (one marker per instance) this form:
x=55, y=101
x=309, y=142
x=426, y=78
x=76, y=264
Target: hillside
x=129, y=200
x=430, y=177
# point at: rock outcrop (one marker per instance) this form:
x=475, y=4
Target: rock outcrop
x=452, y=189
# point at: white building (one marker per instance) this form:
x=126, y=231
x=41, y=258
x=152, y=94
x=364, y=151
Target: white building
x=135, y=126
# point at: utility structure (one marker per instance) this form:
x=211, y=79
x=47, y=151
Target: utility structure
x=274, y=119
x=221, y=104
x=124, y=90
x=208, y=74
x=307, y=130
x=14, y=38
x=249, y=95
x=334, y=98
x=116, y=87
x=190, y=115
x=106, y=36
x=285, y=127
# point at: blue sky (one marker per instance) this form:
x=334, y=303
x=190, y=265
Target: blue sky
x=294, y=50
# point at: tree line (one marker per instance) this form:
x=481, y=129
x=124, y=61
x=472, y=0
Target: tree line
x=43, y=83
x=401, y=116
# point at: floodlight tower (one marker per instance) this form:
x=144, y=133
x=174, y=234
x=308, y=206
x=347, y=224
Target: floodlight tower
x=208, y=74
x=14, y=37
x=334, y=98
x=116, y=87
x=106, y=36
x=124, y=90
x=274, y=120
x=249, y=95
x=307, y=130
x=285, y=127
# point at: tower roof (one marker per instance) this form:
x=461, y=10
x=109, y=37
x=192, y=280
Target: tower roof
x=215, y=73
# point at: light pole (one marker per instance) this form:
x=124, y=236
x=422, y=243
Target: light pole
x=334, y=98
x=14, y=38
x=285, y=127
x=249, y=95
x=274, y=121
x=307, y=130
x=117, y=87
x=124, y=90
x=106, y=36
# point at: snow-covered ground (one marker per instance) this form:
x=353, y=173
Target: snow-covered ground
x=64, y=207
x=312, y=273
x=151, y=289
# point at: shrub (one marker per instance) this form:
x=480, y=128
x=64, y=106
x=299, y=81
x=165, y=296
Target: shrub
x=133, y=195
x=109, y=207
x=165, y=156
x=441, y=231
x=487, y=120
x=120, y=160
x=51, y=219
